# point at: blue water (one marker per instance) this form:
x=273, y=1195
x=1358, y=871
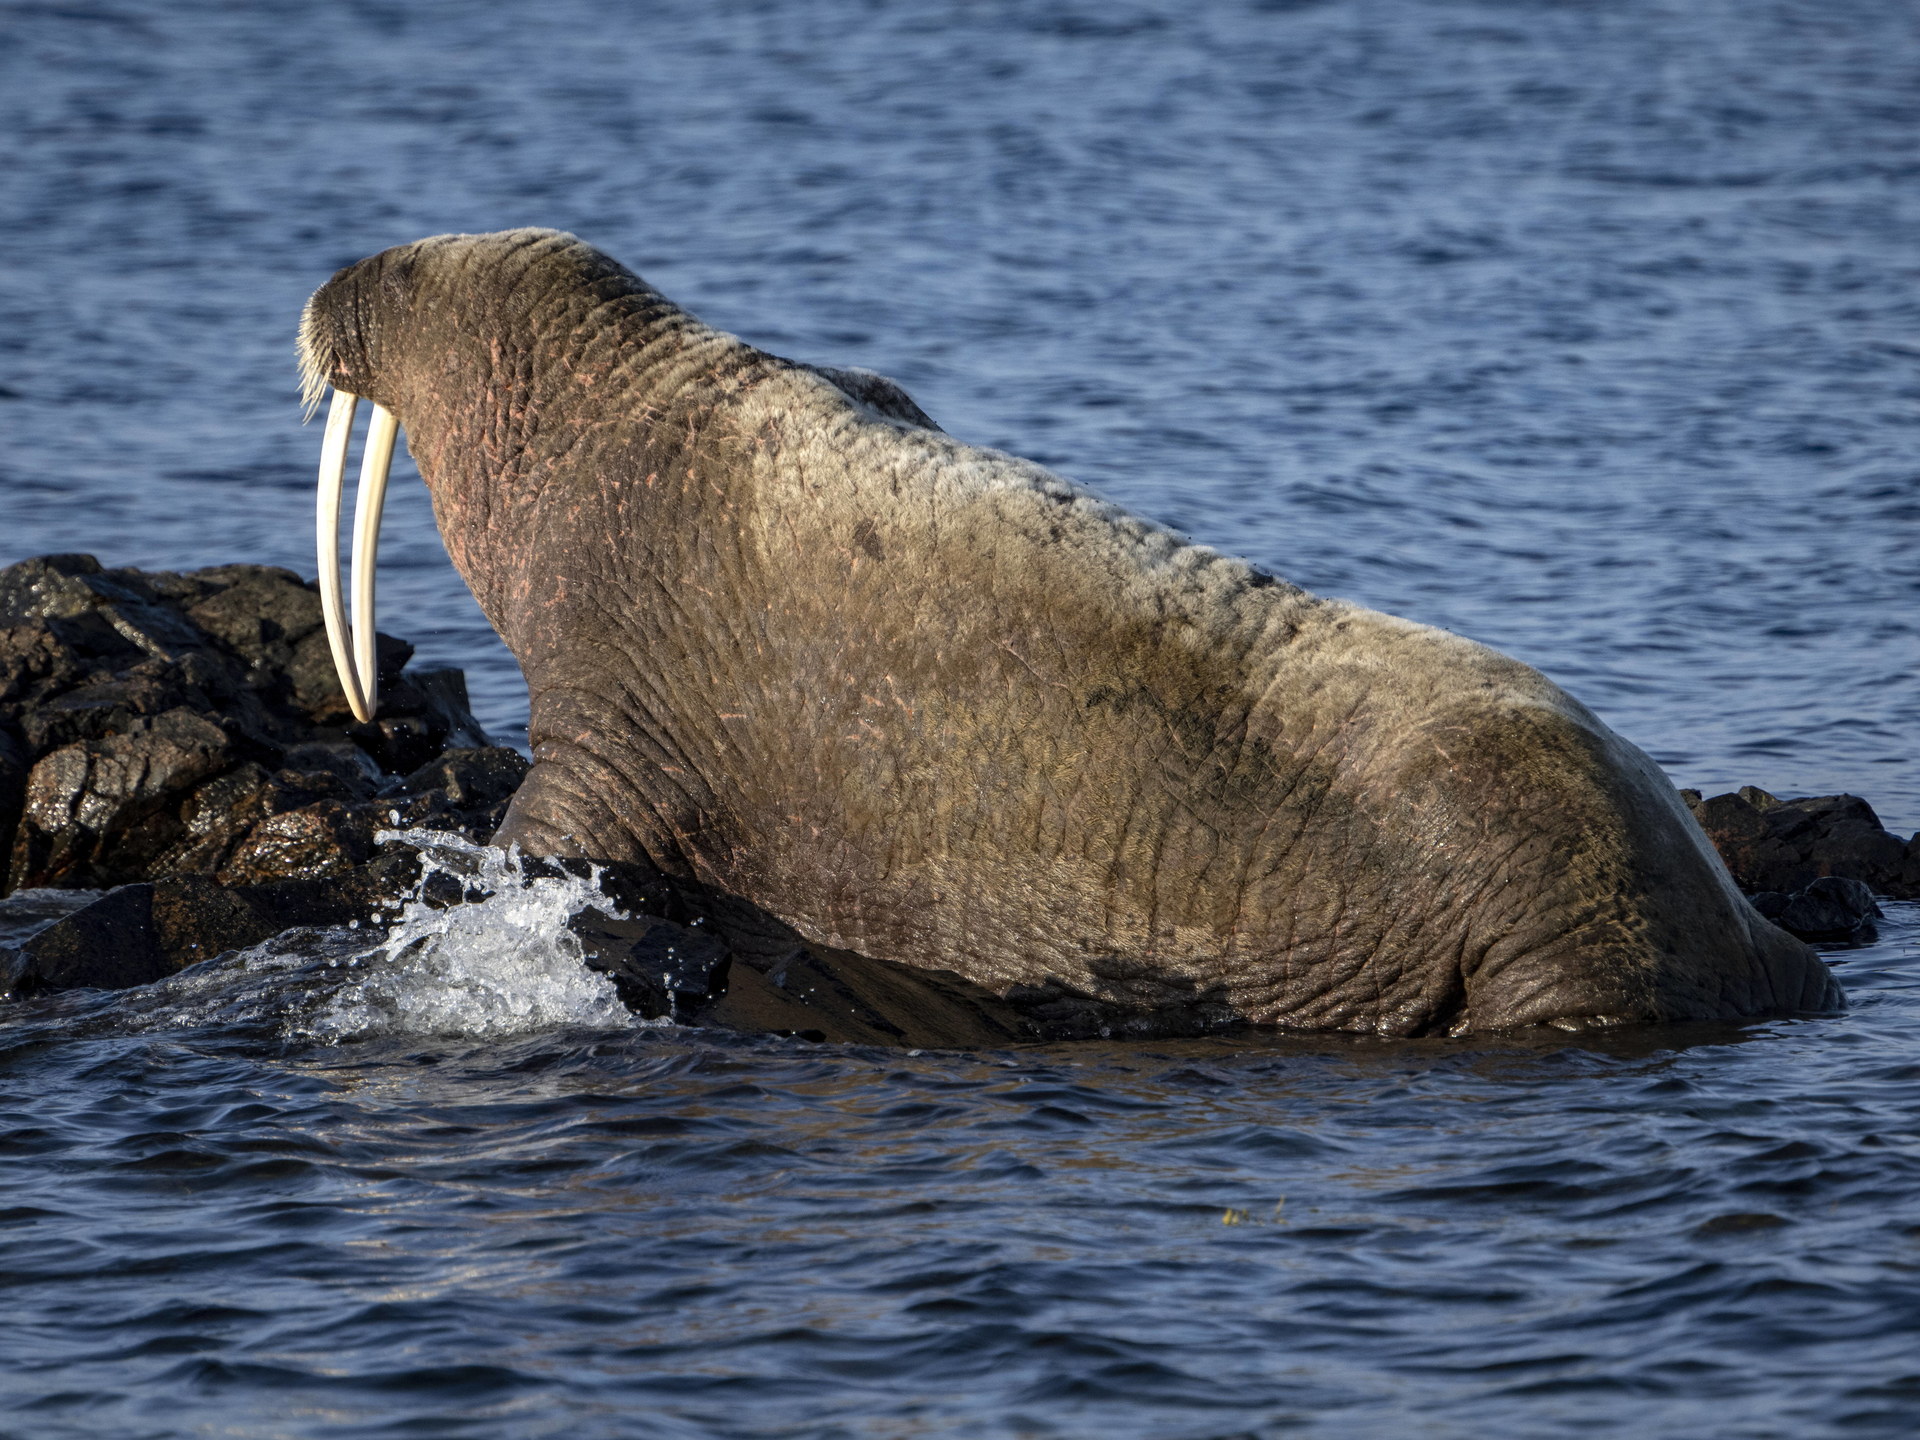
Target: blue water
x=1589, y=330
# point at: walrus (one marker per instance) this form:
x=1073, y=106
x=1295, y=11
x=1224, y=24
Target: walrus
x=787, y=640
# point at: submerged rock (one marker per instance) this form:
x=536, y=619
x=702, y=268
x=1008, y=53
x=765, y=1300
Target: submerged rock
x=1833, y=909
x=136, y=934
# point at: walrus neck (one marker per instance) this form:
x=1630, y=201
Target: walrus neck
x=571, y=430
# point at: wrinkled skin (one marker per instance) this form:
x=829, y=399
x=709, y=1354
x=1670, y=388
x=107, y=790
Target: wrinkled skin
x=785, y=638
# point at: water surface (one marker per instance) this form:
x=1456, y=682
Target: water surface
x=1585, y=330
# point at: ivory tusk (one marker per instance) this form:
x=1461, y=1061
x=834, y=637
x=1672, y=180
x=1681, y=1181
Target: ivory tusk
x=376, y=459
x=333, y=468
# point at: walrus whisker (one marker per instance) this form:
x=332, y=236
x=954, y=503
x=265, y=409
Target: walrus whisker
x=333, y=469
x=376, y=459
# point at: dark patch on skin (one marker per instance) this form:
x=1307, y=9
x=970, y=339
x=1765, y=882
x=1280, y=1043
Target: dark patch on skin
x=787, y=641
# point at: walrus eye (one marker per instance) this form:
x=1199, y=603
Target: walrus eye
x=356, y=662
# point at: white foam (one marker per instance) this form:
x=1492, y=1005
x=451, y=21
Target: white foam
x=502, y=964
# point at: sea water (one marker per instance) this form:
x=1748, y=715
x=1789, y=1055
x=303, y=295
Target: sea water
x=1585, y=330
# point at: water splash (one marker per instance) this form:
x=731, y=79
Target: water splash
x=504, y=963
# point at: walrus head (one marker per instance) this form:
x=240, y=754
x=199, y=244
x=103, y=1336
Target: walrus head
x=443, y=328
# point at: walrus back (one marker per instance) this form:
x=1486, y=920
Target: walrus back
x=1190, y=781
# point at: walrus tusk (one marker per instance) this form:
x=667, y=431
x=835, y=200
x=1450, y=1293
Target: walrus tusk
x=376, y=459
x=333, y=468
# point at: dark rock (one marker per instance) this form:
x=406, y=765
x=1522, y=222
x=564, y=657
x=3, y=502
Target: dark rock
x=476, y=777
x=398, y=743
x=93, y=662
x=658, y=967
x=316, y=684
x=324, y=838
x=355, y=771
x=47, y=584
x=13, y=788
x=110, y=945
x=107, y=704
x=444, y=692
x=261, y=617
x=19, y=977
x=36, y=662
x=1785, y=845
x=84, y=814
x=68, y=587
x=1832, y=909
x=137, y=934
x=217, y=816
x=820, y=993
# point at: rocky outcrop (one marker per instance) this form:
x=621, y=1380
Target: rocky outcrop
x=1832, y=909
x=136, y=934
x=1785, y=845
x=157, y=726
x=181, y=741
x=1811, y=865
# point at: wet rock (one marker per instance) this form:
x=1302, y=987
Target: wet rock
x=99, y=667
x=66, y=587
x=110, y=945
x=1832, y=909
x=136, y=934
x=658, y=967
x=36, y=662
x=473, y=777
x=823, y=994
x=217, y=816
x=86, y=810
x=353, y=770
x=1775, y=845
x=315, y=683
x=443, y=692
x=261, y=617
x=107, y=704
x=325, y=838
x=13, y=783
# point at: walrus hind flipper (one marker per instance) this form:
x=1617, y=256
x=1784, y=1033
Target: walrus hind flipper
x=876, y=392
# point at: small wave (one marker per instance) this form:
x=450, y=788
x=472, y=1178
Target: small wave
x=502, y=964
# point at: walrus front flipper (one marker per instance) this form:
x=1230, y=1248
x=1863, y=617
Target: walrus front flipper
x=876, y=392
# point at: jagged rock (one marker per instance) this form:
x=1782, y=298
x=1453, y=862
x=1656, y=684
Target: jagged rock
x=1832, y=909
x=1775, y=845
x=35, y=661
x=471, y=777
x=71, y=586
x=261, y=617
x=325, y=838
x=216, y=817
x=88, y=811
x=103, y=673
